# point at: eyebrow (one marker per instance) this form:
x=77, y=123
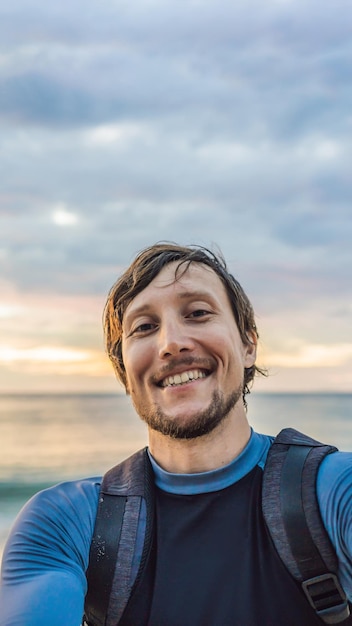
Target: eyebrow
x=195, y=295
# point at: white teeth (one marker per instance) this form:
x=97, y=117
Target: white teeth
x=179, y=379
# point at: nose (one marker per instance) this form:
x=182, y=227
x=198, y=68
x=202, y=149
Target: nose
x=174, y=338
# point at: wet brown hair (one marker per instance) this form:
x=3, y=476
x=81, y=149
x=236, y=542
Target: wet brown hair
x=145, y=267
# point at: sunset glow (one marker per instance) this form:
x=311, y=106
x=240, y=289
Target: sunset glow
x=313, y=356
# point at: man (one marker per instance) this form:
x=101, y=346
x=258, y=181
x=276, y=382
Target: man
x=181, y=335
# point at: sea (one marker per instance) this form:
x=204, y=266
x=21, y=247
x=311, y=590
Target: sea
x=46, y=439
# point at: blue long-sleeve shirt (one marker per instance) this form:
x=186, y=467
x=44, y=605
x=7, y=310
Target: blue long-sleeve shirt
x=43, y=572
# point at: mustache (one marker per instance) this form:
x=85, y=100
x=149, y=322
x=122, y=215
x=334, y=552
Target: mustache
x=190, y=362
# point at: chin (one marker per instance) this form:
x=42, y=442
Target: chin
x=198, y=424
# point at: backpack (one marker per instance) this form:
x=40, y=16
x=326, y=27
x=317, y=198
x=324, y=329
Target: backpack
x=290, y=510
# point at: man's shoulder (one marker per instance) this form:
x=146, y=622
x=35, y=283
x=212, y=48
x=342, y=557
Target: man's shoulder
x=83, y=491
x=335, y=472
x=60, y=510
x=54, y=528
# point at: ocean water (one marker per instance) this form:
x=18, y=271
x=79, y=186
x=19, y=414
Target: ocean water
x=49, y=438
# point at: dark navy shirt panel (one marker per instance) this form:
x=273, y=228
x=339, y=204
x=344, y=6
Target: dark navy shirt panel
x=216, y=565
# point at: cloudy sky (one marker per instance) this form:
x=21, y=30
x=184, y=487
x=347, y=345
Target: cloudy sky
x=223, y=123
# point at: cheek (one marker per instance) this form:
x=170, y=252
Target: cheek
x=236, y=353
x=128, y=365
x=135, y=364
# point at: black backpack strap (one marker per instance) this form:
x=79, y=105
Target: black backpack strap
x=125, y=490
x=292, y=514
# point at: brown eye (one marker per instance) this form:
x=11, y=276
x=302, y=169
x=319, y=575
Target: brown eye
x=199, y=313
x=143, y=328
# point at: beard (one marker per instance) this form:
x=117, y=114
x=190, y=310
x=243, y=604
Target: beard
x=202, y=423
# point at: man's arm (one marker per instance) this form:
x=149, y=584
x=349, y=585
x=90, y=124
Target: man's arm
x=334, y=489
x=54, y=598
x=43, y=572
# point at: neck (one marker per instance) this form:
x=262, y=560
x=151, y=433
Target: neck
x=202, y=454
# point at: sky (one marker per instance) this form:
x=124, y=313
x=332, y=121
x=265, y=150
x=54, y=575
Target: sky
x=217, y=123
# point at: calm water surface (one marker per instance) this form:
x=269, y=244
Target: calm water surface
x=49, y=438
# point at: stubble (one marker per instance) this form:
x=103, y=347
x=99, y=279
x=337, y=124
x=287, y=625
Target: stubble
x=198, y=425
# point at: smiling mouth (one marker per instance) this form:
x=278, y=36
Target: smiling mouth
x=183, y=378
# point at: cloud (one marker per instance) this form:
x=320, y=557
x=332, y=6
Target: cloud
x=313, y=356
x=63, y=217
x=206, y=122
x=110, y=63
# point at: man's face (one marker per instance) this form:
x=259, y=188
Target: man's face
x=183, y=354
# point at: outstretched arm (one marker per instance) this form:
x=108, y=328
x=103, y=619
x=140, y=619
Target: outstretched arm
x=43, y=572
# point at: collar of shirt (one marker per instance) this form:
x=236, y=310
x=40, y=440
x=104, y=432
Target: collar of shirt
x=253, y=454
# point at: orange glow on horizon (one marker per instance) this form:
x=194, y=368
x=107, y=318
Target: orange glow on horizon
x=58, y=360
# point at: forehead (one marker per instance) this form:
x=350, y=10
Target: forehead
x=183, y=281
x=175, y=274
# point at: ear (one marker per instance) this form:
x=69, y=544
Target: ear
x=250, y=349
